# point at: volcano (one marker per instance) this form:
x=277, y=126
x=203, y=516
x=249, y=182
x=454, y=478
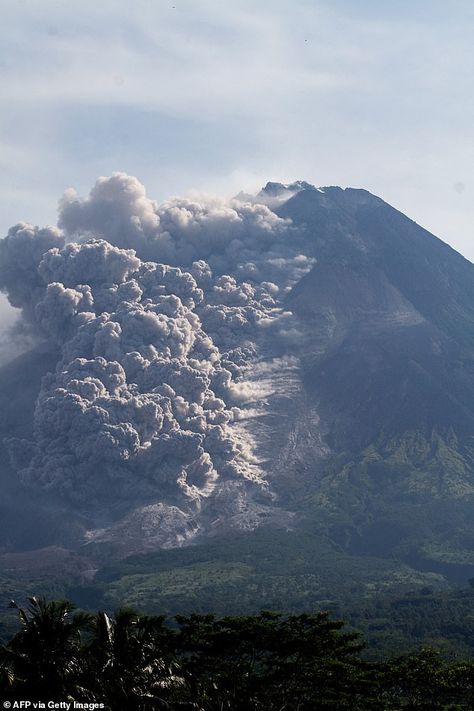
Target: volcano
x=340, y=400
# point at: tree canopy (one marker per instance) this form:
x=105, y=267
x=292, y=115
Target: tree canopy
x=266, y=662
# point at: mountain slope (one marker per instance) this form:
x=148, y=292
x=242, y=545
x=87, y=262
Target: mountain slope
x=388, y=365
x=361, y=421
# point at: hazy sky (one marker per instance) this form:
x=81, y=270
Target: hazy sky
x=222, y=96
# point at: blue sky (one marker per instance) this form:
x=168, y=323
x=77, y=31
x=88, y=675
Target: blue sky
x=222, y=96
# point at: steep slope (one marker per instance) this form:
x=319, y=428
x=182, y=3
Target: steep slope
x=388, y=311
x=356, y=229
x=388, y=367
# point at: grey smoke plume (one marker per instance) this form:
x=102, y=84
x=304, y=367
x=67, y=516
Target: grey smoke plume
x=20, y=254
x=238, y=237
x=157, y=311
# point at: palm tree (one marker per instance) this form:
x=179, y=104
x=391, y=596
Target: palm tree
x=131, y=664
x=44, y=659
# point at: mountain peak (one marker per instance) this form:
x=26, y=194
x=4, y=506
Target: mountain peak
x=272, y=186
x=275, y=189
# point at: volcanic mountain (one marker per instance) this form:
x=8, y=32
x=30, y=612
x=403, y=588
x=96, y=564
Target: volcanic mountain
x=299, y=361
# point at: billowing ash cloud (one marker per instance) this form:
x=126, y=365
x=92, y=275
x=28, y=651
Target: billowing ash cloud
x=240, y=237
x=157, y=311
x=20, y=254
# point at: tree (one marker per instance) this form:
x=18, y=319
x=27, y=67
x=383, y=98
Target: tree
x=267, y=662
x=130, y=664
x=43, y=661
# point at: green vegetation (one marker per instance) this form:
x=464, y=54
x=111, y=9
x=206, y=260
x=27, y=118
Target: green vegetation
x=263, y=662
x=286, y=571
x=396, y=607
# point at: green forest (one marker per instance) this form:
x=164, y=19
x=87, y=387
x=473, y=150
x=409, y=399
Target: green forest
x=267, y=662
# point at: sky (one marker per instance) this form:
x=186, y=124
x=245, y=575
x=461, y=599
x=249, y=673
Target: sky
x=220, y=96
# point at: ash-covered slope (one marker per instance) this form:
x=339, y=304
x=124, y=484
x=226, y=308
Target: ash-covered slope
x=388, y=367
x=390, y=311
x=304, y=354
x=357, y=230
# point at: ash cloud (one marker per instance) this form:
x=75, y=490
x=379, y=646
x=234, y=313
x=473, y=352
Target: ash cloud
x=157, y=311
x=21, y=251
x=241, y=237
